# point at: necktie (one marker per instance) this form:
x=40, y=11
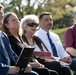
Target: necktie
x=52, y=46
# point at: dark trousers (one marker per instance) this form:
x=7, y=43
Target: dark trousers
x=31, y=73
x=62, y=70
x=44, y=71
x=73, y=65
x=65, y=70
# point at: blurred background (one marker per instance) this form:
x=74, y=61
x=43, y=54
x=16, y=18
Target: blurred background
x=61, y=10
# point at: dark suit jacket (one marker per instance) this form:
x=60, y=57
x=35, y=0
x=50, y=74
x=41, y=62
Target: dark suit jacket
x=6, y=54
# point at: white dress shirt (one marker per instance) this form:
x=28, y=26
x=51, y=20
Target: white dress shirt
x=56, y=40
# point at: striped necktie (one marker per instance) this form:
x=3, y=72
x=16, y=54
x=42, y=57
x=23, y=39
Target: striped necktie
x=52, y=46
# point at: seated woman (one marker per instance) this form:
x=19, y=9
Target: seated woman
x=29, y=25
x=11, y=27
x=8, y=59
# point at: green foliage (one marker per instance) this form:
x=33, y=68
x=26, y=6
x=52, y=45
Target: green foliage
x=61, y=10
x=60, y=32
x=72, y=3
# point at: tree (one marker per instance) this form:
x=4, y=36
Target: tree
x=58, y=8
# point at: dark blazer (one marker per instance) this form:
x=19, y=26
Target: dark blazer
x=6, y=54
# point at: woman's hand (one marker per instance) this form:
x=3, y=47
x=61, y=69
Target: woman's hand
x=36, y=64
x=28, y=69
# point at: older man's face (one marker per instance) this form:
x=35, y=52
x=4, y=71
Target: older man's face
x=1, y=16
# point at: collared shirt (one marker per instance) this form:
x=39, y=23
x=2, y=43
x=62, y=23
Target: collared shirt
x=56, y=40
x=70, y=37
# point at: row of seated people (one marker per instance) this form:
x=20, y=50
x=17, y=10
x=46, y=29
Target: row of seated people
x=7, y=57
x=56, y=65
x=24, y=33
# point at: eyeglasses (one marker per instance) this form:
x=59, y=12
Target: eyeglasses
x=32, y=24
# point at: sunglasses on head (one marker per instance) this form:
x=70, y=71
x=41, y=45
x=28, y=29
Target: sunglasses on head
x=32, y=24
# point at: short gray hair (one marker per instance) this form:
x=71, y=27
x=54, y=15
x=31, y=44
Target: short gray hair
x=26, y=19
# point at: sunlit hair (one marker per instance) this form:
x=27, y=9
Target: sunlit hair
x=26, y=19
x=6, y=19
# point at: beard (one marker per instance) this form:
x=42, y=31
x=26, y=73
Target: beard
x=49, y=26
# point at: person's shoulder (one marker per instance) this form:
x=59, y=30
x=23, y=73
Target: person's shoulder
x=53, y=33
x=69, y=29
x=2, y=34
x=0, y=31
